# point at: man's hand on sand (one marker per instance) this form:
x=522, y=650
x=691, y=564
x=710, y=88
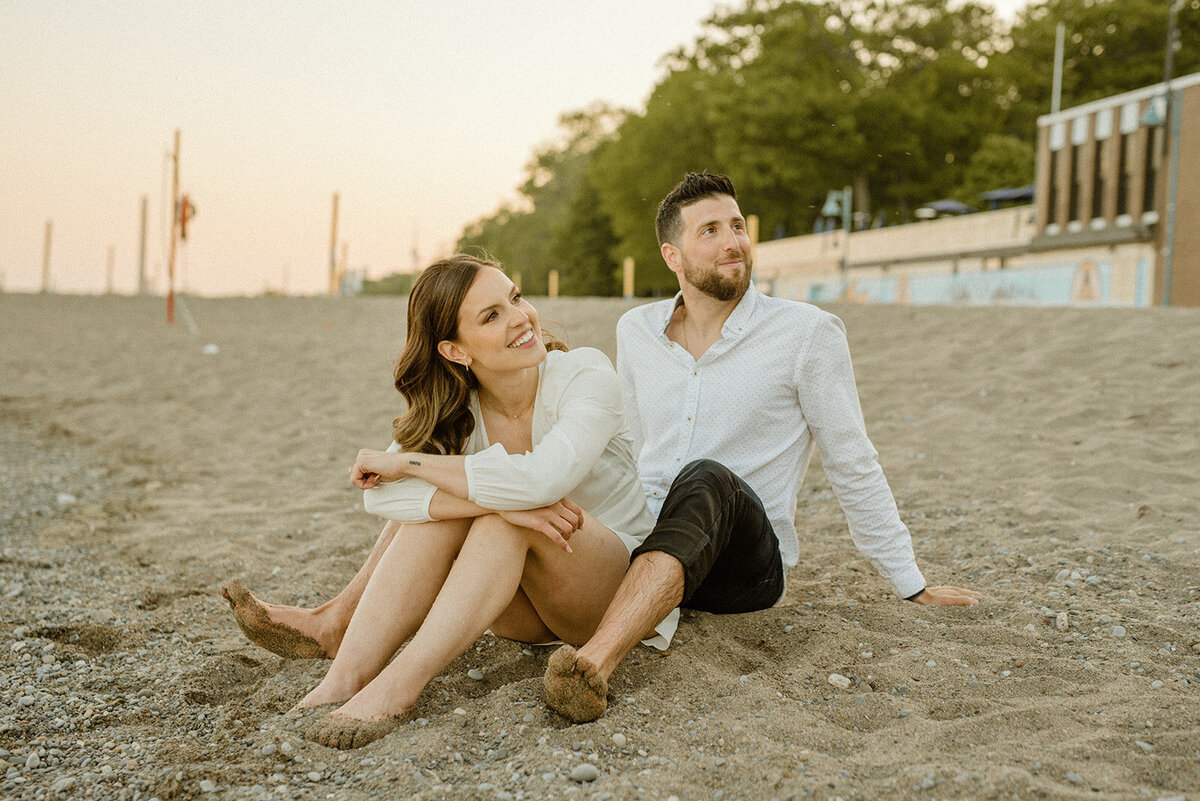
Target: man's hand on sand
x=947, y=596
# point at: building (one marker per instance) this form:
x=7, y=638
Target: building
x=1115, y=222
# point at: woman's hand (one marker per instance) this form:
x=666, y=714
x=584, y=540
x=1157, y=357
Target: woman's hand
x=557, y=521
x=371, y=467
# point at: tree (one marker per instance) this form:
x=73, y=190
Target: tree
x=1111, y=46
x=584, y=245
x=649, y=155
x=1001, y=161
x=523, y=237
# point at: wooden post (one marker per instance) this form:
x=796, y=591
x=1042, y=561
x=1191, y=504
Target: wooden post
x=343, y=264
x=752, y=230
x=516, y=279
x=627, y=283
x=46, y=257
x=333, y=282
x=174, y=231
x=108, y=275
x=142, y=288
x=552, y=291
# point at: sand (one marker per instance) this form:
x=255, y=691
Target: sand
x=1045, y=457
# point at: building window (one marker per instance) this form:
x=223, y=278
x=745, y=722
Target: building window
x=1052, y=201
x=1124, y=175
x=1076, y=183
x=1152, y=147
x=1098, y=182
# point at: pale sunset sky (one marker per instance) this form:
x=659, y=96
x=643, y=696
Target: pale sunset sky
x=422, y=116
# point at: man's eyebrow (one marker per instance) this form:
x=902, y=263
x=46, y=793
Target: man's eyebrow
x=735, y=218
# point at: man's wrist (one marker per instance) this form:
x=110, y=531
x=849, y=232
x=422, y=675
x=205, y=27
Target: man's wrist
x=916, y=595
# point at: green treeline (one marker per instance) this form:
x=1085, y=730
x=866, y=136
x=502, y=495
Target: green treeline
x=906, y=101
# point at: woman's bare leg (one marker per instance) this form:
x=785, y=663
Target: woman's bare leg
x=396, y=598
x=299, y=633
x=497, y=558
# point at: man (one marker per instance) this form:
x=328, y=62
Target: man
x=727, y=392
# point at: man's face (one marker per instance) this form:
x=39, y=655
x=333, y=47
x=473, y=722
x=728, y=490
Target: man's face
x=713, y=252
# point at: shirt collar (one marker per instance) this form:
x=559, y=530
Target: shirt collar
x=735, y=324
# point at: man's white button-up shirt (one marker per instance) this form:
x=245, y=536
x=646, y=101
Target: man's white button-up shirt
x=777, y=382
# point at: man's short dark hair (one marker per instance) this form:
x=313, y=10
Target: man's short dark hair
x=694, y=186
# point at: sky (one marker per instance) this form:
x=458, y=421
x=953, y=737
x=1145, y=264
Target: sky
x=420, y=116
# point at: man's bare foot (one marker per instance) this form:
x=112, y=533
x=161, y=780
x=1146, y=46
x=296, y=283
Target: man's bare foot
x=254, y=618
x=574, y=687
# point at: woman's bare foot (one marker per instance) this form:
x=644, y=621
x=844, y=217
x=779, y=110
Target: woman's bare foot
x=361, y=720
x=338, y=731
x=280, y=629
x=327, y=693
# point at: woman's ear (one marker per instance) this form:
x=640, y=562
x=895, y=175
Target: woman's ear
x=452, y=352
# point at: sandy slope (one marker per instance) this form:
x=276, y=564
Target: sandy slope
x=1045, y=457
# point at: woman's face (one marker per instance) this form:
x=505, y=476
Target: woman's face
x=497, y=328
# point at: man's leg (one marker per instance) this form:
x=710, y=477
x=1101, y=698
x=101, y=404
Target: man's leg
x=577, y=680
x=297, y=633
x=712, y=549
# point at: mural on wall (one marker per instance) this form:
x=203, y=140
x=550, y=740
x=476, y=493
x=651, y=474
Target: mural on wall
x=1087, y=283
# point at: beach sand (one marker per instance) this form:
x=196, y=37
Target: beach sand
x=1045, y=457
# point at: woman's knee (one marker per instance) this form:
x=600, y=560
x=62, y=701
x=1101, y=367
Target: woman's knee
x=493, y=526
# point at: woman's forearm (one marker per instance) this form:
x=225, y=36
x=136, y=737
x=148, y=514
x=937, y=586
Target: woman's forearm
x=447, y=473
x=444, y=506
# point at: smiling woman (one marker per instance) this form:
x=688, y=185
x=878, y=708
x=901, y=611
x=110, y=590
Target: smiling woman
x=436, y=373
x=514, y=500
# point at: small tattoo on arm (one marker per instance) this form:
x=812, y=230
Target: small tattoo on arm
x=414, y=462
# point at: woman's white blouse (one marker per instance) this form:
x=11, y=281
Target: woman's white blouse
x=582, y=450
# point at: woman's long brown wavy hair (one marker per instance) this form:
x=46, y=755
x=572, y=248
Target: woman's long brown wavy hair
x=437, y=390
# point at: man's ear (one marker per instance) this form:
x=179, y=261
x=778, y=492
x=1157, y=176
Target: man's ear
x=672, y=257
x=452, y=352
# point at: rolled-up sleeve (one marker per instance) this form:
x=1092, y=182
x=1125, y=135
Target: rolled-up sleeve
x=406, y=500
x=587, y=414
x=829, y=399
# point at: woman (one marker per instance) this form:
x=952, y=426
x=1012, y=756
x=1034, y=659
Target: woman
x=513, y=474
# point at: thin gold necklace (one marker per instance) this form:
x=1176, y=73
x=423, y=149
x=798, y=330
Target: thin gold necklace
x=503, y=413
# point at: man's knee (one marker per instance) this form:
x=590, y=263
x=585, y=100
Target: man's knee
x=661, y=570
x=659, y=563
x=708, y=471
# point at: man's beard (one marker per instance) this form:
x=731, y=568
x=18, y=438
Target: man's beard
x=716, y=285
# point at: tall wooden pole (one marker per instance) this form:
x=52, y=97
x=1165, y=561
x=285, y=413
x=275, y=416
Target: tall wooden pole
x=112, y=264
x=174, y=231
x=333, y=281
x=142, y=288
x=46, y=257
x=627, y=278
